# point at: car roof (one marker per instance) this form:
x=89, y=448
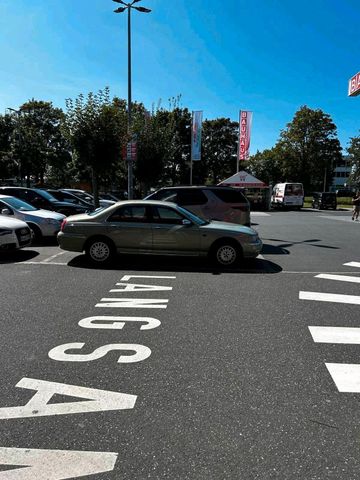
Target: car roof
x=205, y=187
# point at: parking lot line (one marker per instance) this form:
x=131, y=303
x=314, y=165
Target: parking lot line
x=347, y=335
x=340, y=278
x=330, y=297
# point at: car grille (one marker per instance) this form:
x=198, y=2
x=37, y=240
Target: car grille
x=23, y=235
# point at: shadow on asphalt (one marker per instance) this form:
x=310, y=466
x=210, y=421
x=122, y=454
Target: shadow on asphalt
x=285, y=244
x=177, y=264
x=17, y=256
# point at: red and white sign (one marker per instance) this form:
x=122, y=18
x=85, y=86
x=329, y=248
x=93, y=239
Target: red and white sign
x=245, y=121
x=129, y=152
x=354, y=85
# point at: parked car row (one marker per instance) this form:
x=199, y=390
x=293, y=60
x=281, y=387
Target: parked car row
x=42, y=210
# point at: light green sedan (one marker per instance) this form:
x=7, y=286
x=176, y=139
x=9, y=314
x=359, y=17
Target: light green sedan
x=157, y=228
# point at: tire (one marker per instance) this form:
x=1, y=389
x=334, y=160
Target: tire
x=36, y=232
x=226, y=253
x=100, y=251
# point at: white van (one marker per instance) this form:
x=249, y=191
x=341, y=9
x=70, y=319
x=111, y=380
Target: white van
x=289, y=195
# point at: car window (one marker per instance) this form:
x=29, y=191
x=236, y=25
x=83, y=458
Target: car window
x=167, y=215
x=19, y=204
x=191, y=196
x=165, y=196
x=129, y=213
x=229, y=196
x=3, y=205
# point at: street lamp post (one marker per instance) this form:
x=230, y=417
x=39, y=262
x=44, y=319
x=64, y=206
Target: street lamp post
x=129, y=7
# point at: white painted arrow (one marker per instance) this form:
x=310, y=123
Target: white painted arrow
x=53, y=464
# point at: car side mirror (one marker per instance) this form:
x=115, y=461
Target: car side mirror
x=6, y=211
x=186, y=222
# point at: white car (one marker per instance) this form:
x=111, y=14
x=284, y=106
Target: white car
x=14, y=234
x=43, y=223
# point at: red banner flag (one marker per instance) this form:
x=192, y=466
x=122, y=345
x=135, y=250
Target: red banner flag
x=245, y=121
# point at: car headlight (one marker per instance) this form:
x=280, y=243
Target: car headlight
x=5, y=231
x=52, y=221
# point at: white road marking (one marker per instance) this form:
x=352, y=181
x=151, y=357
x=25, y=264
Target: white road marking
x=260, y=214
x=348, y=335
x=135, y=287
x=59, y=353
x=132, y=303
x=346, y=376
x=47, y=260
x=352, y=264
x=330, y=297
x=38, y=406
x=340, y=278
x=260, y=257
x=40, y=263
x=53, y=464
x=126, y=278
x=117, y=323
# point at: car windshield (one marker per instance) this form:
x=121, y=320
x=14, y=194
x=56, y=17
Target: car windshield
x=96, y=211
x=194, y=218
x=46, y=195
x=19, y=204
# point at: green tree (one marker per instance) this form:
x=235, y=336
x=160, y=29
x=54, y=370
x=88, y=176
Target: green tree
x=354, y=154
x=219, y=149
x=8, y=164
x=309, y=149
x=96, y=129
x=267, y=165
x=39, y=142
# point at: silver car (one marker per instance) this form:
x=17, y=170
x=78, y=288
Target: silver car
x=158, y=228
x=225, y=204
x=43, y=223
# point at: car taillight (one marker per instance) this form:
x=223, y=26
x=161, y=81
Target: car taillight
x=63, y=223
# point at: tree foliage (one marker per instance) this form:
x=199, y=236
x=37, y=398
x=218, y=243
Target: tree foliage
x=310, y=149
x=354, y=154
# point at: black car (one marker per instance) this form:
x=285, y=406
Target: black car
x=71, y=198
x=324, y=200
x=42, y=199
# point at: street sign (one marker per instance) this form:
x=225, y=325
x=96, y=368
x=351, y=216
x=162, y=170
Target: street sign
x=129, y=151
x=354, y=85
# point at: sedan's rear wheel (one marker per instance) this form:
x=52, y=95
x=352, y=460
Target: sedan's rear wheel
x=100, y=251
x=226, y=254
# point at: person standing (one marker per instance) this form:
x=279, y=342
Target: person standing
x=356, y=206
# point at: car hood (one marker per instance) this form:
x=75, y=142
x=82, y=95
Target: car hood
x=43, y=214
x=229, y=227
x=11, y=223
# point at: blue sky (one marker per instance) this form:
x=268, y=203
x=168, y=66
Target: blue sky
x=268, y=56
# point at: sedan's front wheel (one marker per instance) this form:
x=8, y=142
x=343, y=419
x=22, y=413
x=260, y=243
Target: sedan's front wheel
x=100, y=251
x=226, y=254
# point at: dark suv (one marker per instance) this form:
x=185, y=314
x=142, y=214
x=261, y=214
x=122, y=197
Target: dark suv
x=324, y=200
x=226, y=204
x=42, y=199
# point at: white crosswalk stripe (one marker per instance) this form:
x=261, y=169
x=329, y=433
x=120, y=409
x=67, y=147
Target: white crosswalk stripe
x=346, y=376
x=340, y=278
x=347, y=335
x=352, y=264
x=330, y=297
